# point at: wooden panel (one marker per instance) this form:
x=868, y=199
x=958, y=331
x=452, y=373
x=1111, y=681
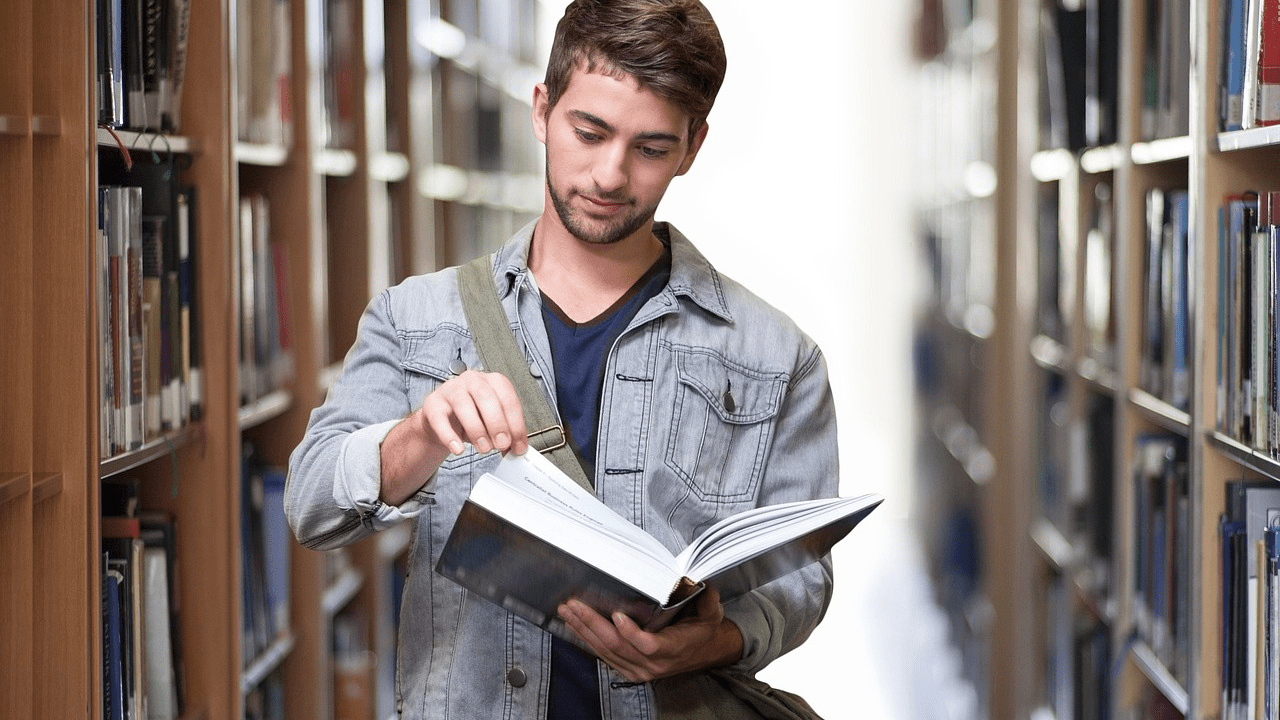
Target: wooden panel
x=206, y=503
x=64, y=410
x=16, y=600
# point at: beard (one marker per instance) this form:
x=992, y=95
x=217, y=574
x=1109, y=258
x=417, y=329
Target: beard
x=597, y=232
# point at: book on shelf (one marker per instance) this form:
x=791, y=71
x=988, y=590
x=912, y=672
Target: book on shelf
x=1247, y=376
x=144, y=285
x=1099, y=290
x=141, y=548
x=264, y=71
x=265, y=556
x=1166, y=70
x=1232, y=59
x=1248, y=533
x=1161, y=580
x=110, y=67
x=1249, y=75
x=141, y=54
x=266, y=352
x=112, y=643
x=341, y=95
x=528, y=539
x=1165, y=357
x=1102, y=71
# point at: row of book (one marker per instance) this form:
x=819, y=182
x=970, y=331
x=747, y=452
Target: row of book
x=1247, y=373
x=1166, y=69
x=264, y=102
x=1249, y=532
x=265, y=546
x=1161, y=549
x=266, y=347
x=141, y=60
x=142, y=670
x=147, y=324
x=1249, y=75
x=1079, y=73
x=264, y=73
x=1165, y=348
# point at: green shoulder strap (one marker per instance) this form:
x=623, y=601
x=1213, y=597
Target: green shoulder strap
x=500, y=353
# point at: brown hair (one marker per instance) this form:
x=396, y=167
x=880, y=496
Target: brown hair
x=671, y=47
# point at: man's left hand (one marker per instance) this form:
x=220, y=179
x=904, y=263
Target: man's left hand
x=705, y=640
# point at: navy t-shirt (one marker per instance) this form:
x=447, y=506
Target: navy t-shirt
x=579, y=351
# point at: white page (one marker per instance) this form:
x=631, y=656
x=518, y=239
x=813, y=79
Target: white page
x=569, y=518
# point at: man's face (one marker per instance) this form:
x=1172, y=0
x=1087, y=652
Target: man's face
x=612, y=149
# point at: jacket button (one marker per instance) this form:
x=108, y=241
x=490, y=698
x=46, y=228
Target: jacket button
x=516, y=677
x=533, y=369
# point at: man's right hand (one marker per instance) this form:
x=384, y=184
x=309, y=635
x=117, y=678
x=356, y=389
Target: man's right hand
x=475, y=407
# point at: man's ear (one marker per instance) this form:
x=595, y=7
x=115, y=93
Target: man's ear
x=695, y=144
x=540, y=112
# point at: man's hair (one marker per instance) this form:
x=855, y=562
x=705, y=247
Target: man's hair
x=671, y=47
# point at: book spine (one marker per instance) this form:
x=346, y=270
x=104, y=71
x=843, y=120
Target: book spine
x=1268, y=110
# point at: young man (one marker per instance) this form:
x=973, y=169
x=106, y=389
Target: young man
x=686, y=398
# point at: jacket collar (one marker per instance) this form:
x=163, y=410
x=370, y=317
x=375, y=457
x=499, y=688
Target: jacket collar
x=692, y=275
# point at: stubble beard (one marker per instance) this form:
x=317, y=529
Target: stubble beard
x=607, y=233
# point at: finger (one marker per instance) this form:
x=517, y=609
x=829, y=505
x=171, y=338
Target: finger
x=645, y=643
x=515, y=438
x=439, y=422
x=462, y=407
x=600, y=635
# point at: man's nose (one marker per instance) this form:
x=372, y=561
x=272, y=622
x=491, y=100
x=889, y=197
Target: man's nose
x=610, y=171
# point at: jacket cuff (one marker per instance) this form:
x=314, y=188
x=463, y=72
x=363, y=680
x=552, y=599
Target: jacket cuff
x=359, y=479
x=757, y=634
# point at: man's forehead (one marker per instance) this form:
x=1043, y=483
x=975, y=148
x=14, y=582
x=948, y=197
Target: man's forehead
x=663, y=117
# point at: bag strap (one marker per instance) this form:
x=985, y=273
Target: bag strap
x=499, y=353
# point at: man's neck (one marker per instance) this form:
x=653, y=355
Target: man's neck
x=584, y=278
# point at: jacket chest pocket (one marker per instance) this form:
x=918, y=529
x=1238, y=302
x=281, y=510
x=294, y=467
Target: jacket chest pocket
x=430, y=359
x=721, y=425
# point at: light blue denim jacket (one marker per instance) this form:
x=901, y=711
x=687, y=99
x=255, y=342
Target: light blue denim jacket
x=672, y=457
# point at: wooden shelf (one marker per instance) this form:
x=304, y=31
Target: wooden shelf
x=266, y=663
x=13, y=486
x=262, y=155
x=149, y=142
x=1142, y=656
x=341, y=592
x=271, y=405
x=164, y=446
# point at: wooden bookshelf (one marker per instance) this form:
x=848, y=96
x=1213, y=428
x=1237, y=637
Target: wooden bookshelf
x=351, y=220
x=1071, y=480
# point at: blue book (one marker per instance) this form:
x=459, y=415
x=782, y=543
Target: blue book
x=112, y=651
x=1233, y=59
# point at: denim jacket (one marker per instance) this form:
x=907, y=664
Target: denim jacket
x=713, y=402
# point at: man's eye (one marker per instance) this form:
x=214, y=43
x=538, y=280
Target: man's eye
x=587, y=137
x=653, y=153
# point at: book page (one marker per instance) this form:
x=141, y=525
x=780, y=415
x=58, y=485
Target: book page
x=531, y=493
x=746, y=535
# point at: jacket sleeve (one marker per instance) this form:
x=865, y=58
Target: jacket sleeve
x=334, y=479
x=803, y=464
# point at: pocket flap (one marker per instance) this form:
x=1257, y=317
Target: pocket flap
x=738, y=395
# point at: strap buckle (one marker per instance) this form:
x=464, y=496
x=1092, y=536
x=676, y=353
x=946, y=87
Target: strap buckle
x=550, y=445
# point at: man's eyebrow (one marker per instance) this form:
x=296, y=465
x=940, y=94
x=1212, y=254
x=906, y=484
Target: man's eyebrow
x=600, y=122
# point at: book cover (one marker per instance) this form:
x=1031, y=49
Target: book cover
x=113, y=703
x=1231, y=88
x=529, y=538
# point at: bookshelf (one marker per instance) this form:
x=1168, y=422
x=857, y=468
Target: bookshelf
x=344, y=219
x=1131, y=329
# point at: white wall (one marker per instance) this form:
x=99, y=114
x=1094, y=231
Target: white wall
x=801, y=192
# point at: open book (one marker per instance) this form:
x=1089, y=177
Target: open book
x=528, y=538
